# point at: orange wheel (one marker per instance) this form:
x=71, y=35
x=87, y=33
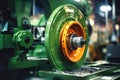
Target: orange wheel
x=70, y=28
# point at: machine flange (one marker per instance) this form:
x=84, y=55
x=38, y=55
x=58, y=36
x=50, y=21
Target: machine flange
x=65, y=21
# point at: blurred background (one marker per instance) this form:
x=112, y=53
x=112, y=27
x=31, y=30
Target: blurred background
x=105, y=36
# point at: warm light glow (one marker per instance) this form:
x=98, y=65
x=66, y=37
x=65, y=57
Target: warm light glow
x=91, y=22
x=117, y=27
x=105, y=8
x=34, y=20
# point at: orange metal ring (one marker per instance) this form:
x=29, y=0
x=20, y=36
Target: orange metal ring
x=72, y=27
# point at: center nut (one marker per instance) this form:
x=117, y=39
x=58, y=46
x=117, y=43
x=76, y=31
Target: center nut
x=72, y=40
x=76, y=42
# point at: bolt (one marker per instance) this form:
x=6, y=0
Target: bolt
x=77, y=41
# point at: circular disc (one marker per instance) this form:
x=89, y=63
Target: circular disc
x=58, y=19
x=72, y=27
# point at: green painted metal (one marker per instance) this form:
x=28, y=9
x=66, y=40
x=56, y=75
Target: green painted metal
x=42, y=63
x=50, y=5
x=39, y=51
x=6, y=41
x=58, y=18
x=82, y=5
x=23, y=38
x=22, y=8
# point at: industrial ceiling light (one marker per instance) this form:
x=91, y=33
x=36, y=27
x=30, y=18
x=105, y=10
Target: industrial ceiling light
x=105, y=8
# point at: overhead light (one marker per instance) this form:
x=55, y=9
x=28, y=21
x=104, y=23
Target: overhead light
x=105, y=8
x=117, y=27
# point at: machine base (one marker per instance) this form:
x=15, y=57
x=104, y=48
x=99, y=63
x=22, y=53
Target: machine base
x=86, y=72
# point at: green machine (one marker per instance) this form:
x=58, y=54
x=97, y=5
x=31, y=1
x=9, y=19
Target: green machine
x=44, y=39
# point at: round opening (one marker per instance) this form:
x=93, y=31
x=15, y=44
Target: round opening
x=27, y=40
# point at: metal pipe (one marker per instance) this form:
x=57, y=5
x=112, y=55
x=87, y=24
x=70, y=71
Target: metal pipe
x=113, y=15
x=33, y=7
x=106, y=21
x=113, y=38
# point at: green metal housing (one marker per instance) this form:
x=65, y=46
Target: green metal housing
x=22, y=9
x=58, y=18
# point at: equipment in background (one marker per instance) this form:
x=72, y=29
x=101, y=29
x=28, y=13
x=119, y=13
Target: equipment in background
x=38, y=35
x=113, y=53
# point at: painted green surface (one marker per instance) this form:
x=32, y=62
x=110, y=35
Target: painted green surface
x=50, y=5
x=22, y=8
x=23, y=38
x=58, y=18
x=5, y=41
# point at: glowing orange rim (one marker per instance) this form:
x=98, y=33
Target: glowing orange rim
x=68, y=29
